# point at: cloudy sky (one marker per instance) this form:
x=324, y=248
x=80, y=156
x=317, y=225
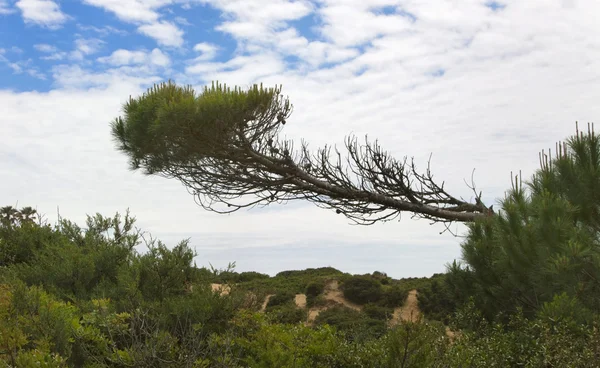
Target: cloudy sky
x=479, y=84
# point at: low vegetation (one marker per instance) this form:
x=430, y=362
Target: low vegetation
x=74, y=297
x=526, y=292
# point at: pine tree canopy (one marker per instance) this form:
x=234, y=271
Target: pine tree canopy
x=544, y=240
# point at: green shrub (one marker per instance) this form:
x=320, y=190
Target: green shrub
x=417, y=345
x=316, y=301
x=287, y=313
x=568, y=312
x=341, y=317
x=362, y=290
x=251, y=275
x=355, y=325
x=313, y=289
x=394, y=296
x=443, y=293
x=377, y=312
x=312, y=272
x=280, y=299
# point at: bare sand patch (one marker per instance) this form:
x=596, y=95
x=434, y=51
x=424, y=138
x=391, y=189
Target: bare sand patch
x=264, y=304
x=333, y=293
x=224, y=289
x=300, y=301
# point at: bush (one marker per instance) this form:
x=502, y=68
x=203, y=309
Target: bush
x=377, y=312
x=281, y=298
x=343, y=318
x=251, y=275
x=313, y=289
x=362, y=290
x=355, y=325
x=287, y=313
x=444, y=293
x=394, y=296
x=311, y=272
x=234, y=277
x=316, y=301
x=418, y=345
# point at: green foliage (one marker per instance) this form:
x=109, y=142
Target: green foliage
x=165, y=272
x=393, y=296
x=521, y=342
x=292, y=281
x=169, y=124
x=287, y=313
x=317, y=301
x=543, y=242
x=314, y=289
x=234, y=277
x=375, y=311
x=566, y=311
x=284, y=297
x=274, y=345
x=362, y=290
x=416, y=345
x=355, y=325
x=439, y=298
x=10, y=216
x=310, y=273
x=526, y=295
x=68, y=261
x=19, y=244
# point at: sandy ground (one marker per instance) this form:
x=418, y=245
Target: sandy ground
x=264, y=304
x=333, y=294
x=223, y=288
x=300, y=300
x=409, y=311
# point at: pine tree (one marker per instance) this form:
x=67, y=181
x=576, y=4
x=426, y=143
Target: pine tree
x=544, y=240
x=224, y=145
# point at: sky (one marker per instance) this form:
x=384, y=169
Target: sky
x=479, y=85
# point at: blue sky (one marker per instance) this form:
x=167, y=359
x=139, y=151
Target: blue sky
x=482, y=85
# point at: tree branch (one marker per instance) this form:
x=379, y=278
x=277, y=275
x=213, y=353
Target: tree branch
x=232, y=158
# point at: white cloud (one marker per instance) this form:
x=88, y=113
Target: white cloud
x=60, y=55
x=131, y=10
x=165, y=33
x=208, y=51
x=104, y=31
x=43, y=47
x=124, y=57
x=21, y=66
x=272, y=12
x=74, y=77
x=512, y=84
x=145, y=14
x=5, y=8
x=182, y=21
x=366, y=25
x=84, y=47
x=45, y=13
x=127, y=57
x=36, y=73
x=239, y=70
x=159, y=58
x=258, y=25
